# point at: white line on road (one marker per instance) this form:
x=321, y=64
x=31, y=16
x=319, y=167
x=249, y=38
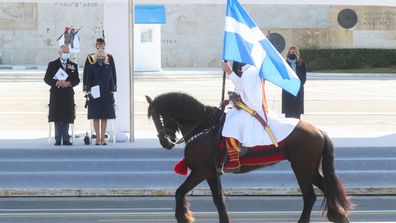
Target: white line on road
x=4, y=213
x=83, y=209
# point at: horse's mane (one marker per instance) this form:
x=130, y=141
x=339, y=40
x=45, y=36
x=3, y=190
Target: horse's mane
x=182, y=106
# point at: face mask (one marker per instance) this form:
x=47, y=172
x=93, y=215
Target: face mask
x=65, y=56
x=100, y=61
x=292, y=56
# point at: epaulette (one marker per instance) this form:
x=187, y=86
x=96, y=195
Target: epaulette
x=90, y=59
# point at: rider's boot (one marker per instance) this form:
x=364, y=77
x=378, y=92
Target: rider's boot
x=233, y=149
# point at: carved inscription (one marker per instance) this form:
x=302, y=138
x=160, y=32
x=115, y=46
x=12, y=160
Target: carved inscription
x=76, y=4
x=380, y=20
x=18, y=15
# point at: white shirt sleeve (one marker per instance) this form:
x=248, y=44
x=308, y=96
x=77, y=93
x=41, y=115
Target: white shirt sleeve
x=237, y=82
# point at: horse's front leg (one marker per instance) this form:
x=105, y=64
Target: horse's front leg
x=217, y=194
x=183, y=213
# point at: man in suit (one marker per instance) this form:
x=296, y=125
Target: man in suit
x=61, y=103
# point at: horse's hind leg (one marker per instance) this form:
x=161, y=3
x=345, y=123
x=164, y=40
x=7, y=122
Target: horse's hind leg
x=333, y=213
x=307, y=190
x=215, y=188
x=183, y=213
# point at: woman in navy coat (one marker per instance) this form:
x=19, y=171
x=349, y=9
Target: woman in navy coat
x=101, y=108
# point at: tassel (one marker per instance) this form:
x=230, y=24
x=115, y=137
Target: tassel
x=181, y=167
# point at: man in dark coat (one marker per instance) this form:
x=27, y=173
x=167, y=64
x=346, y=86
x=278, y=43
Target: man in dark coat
x=100, y=44
x=293, y=106
x=61, y=103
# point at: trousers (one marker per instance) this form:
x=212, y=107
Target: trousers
x=62, y=131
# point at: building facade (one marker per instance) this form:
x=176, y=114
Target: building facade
x=193, y=33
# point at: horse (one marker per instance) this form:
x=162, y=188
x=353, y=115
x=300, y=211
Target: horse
x=305, y=148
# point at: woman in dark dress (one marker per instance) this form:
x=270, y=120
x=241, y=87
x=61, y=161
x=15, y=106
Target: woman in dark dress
x=101, y=108
x=294, y=106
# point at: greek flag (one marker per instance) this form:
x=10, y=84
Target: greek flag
x=244, y=42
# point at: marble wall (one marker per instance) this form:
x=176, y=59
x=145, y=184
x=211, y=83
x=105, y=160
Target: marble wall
x=193, y=33
x=29, y=31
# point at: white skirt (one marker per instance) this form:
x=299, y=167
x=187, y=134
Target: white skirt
x=249, y=132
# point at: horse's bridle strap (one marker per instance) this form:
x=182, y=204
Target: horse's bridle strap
x=199, y=134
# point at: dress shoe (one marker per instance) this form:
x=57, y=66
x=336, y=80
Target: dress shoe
x=57, y=143
x=67, y=143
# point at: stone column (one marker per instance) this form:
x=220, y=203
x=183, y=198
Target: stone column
x=116, y=29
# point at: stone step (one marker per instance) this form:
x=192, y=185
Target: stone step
x=161, y=165
x=31, y=170
x=138, y=179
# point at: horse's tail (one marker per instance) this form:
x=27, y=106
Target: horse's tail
x=334, y=190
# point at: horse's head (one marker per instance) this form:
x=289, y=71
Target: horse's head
x=178, y=112
x=166, y=127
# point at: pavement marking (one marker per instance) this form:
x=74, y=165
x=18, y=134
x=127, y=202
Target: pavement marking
x=367, y=159
x=86, y=209
x=201, y=220
x=244, y=216
x=165, y=212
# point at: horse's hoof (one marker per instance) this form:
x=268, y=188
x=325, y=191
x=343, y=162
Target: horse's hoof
x=345, y=220
x=340, y=220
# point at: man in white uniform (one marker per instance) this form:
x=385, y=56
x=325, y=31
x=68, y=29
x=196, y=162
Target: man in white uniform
x=240, y=128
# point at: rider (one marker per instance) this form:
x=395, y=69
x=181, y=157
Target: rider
x=240, y=127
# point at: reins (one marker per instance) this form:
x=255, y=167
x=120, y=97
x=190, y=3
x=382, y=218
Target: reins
x=183, y=139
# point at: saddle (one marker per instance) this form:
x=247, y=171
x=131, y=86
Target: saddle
x=261, y=155
x=249, y=156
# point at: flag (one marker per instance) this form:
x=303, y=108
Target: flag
x=244, y=42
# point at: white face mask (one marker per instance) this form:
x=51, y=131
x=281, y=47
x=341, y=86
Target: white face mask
x=65, y=56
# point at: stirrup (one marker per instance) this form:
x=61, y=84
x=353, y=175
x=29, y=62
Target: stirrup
x=236, y=170
x=220, y=170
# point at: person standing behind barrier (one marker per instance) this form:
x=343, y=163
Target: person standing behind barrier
x=100, y=44
x=61, y=102
x=99, y=75
x=294, y=106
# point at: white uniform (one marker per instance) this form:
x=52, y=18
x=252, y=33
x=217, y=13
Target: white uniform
x=245, y=128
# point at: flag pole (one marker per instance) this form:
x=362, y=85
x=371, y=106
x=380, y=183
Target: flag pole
x=222, y=105
x=131, y=21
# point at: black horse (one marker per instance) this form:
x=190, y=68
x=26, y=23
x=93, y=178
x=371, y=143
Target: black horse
x=305, y=148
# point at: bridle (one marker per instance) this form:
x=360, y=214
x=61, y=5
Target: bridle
x=168, y=136
x=187, y=137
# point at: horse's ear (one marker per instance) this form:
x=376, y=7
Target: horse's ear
x=149, y=100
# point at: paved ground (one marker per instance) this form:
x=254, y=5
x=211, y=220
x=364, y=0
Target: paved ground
x=358, y=112
x=245, y=209
x=112, y=171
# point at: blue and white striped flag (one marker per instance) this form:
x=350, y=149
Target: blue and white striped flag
x=244, y=42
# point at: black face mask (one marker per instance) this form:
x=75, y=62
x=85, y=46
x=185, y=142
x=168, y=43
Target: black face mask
x=100, y=61
x=292, y=56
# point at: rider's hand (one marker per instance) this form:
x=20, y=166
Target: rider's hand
x=227, y=68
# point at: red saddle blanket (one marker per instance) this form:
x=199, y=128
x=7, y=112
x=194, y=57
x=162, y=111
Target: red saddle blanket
x=252, y=156
x=259, y=155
